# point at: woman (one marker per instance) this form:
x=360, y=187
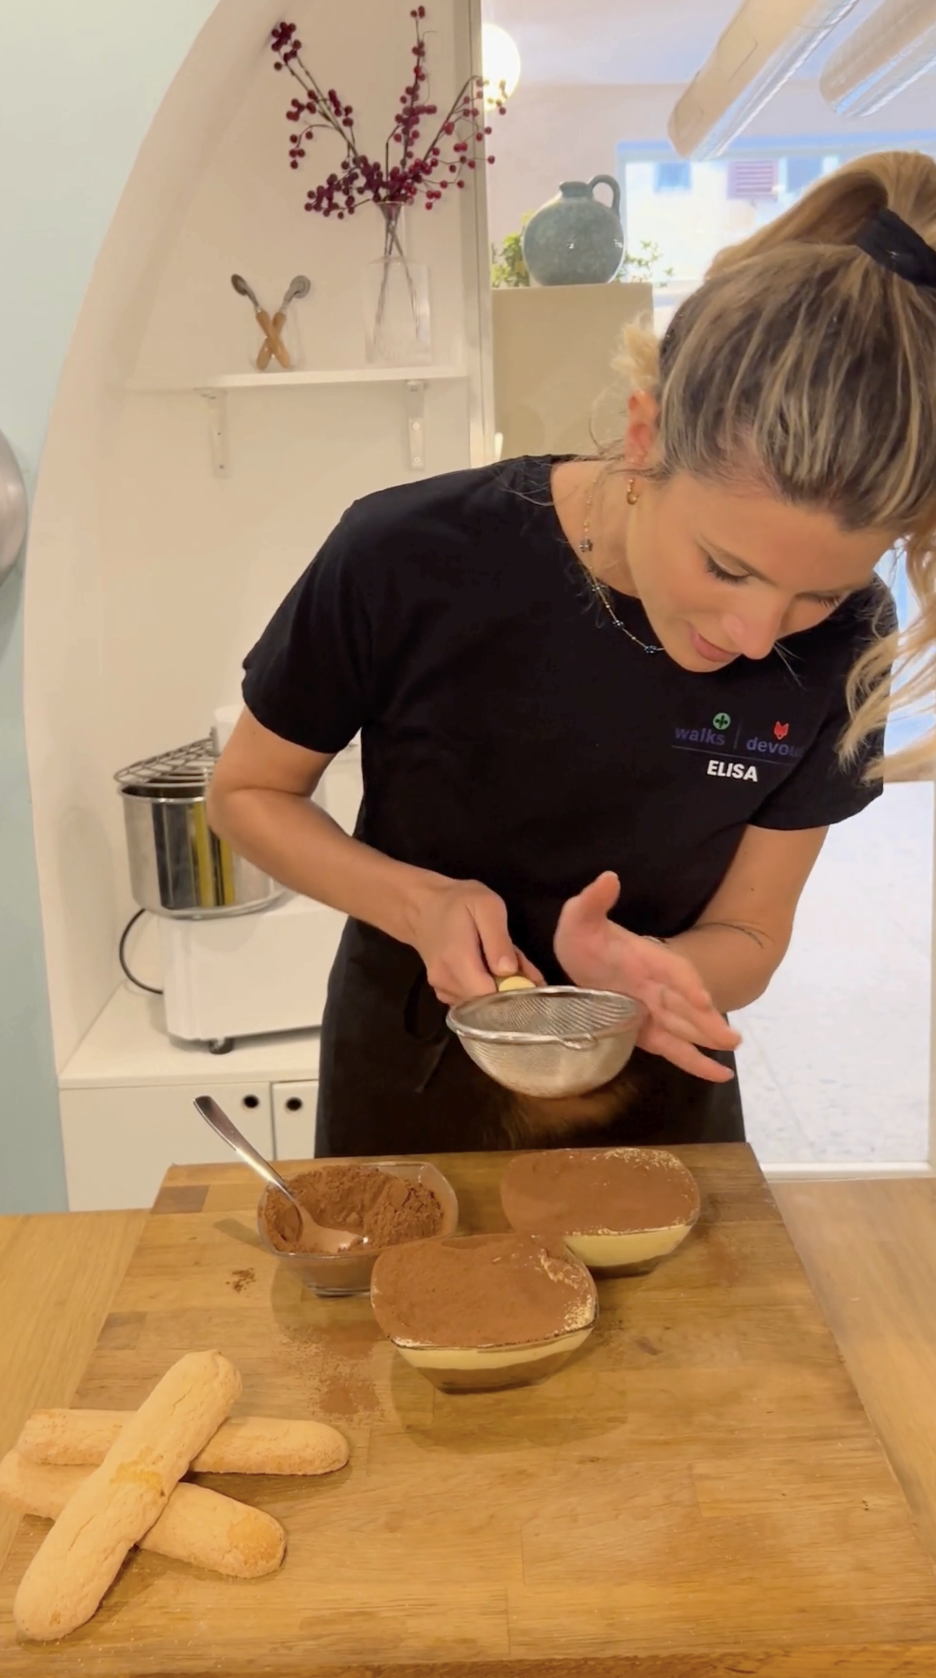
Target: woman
x=609, y=708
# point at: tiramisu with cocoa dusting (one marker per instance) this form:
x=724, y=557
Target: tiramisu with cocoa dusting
x=478, y=1312
x=620, y=1210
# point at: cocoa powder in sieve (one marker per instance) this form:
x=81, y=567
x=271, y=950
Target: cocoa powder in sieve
x=598, y=1191
x=480, y=1290
x=360, y=1198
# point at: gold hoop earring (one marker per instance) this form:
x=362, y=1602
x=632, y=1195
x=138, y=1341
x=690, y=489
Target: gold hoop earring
x=632, y=496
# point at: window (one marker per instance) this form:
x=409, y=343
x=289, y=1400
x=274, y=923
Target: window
x=688, y=211
x=673, y=177
x=684, y=213
x=801, y=172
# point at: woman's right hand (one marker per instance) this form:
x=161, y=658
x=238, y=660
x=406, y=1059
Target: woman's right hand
x=460, y=929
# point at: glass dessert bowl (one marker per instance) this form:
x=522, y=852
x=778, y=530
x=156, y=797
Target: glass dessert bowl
x=478, y=1313
x=388, y=1201
x=619, y=1210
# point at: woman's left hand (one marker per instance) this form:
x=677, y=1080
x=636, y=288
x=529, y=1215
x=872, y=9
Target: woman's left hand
x=600, y=955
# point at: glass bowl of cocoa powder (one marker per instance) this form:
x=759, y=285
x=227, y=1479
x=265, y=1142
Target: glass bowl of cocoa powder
x=384, y=1203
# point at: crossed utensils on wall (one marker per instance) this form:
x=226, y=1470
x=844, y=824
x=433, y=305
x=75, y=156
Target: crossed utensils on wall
x=272, y=326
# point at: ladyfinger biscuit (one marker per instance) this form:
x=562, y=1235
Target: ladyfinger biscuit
x=250, y=1445
x=119, y=1502
x=197, y=1525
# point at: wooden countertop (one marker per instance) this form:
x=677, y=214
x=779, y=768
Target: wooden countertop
x=58, y=1276
x=701, y=1492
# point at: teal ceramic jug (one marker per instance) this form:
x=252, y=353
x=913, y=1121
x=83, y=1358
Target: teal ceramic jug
x=575, y=239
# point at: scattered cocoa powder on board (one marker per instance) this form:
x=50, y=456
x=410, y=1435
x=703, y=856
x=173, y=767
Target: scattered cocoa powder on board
x=348, y=1395
x=340, y=1388
x=241, y=1279
x=480, y=1290
x=361, y=1198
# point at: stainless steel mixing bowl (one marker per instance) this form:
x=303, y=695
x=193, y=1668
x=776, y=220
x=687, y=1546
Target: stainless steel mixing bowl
x=178, y=867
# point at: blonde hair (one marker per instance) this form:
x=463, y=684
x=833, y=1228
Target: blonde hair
x=804, y=365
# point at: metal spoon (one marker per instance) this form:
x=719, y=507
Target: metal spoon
x=270, y=332
x=297, y=288
x=313, y=1237
x=243, y=290
x=240, y=285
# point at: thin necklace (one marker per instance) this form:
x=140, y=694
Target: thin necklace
x=587, y=546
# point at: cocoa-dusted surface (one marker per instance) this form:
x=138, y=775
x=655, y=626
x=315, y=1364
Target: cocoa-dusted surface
x=598, y=1191
x=359, y=1198
x=480, y=1290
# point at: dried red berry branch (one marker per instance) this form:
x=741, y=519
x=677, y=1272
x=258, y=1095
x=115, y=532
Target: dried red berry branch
x=411, y=168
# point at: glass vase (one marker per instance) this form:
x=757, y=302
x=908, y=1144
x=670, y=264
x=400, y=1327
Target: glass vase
x=397, y=327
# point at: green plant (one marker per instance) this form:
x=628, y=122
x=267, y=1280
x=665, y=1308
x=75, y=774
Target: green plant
x=507, y=265
x=645, y=265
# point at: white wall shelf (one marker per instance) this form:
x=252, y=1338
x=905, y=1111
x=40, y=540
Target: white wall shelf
x=214, y=392
x=431, y=373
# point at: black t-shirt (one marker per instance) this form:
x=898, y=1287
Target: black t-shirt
x=512, y=734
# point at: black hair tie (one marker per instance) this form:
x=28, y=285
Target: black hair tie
x=890, y=241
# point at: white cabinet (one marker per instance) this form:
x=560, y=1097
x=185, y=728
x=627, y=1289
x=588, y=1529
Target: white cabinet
x=294, y=1105
x=126, y=1102
x=121, y=1140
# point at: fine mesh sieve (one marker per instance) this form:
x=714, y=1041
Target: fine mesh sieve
x=554, y=1041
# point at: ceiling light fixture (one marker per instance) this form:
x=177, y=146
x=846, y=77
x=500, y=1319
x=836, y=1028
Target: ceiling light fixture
x=762, y=47
x=893, y=48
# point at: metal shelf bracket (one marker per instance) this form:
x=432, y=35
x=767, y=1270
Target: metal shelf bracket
x=416, y=423
x=215, y=401
x=216, y=408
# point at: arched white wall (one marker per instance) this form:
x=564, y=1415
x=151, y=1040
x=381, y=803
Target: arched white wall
x=148, y=576
x=64, y=702
x=78, y=88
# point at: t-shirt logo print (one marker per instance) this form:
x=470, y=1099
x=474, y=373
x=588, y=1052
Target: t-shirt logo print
x=781, y=730
x=721, y=721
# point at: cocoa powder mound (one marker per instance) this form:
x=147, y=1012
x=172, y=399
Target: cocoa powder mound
x=480, y=1290
x=370, y=1203
x=600, y=1191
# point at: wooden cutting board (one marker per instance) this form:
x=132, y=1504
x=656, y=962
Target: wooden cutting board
x=699, y=1493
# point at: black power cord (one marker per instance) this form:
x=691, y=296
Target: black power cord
x=121, y=956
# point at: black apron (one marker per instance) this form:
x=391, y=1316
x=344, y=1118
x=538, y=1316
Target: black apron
x=394, y=1080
